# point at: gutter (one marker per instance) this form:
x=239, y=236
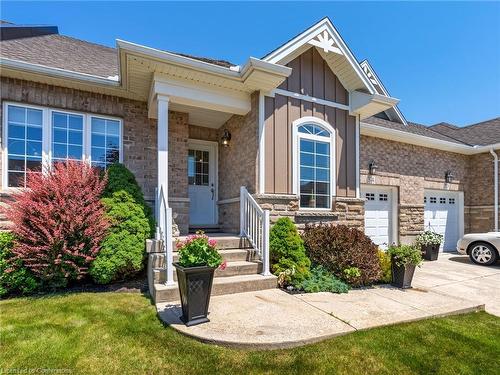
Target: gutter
x=58, y=72
x=495, y=156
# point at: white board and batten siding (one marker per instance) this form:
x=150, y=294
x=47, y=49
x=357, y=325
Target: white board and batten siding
x=380, y=210
x=444, y=214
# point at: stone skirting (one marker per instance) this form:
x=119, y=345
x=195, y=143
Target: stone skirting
x=229, y=216
x=347, y=211
x=411, y=221
x=479, y=219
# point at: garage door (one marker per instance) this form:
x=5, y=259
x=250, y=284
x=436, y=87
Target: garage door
x=378, y=215
x=442, y=216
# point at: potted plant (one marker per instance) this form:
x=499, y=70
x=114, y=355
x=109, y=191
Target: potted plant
x=429, y=242
x=404, y=259
x=198, y=259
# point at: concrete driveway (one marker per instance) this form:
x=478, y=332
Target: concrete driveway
x=455, y=275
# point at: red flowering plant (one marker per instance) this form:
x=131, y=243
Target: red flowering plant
x=199, y=250
x=59, y=222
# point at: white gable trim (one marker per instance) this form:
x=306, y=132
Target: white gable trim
x=279, y=55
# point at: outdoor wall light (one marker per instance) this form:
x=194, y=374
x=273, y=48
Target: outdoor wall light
x=372, y=167
x=448, y=177
x=226, y=137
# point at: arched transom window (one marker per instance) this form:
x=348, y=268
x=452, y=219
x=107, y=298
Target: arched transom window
x=314, y=151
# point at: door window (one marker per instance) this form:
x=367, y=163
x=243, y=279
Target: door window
x=198, y=162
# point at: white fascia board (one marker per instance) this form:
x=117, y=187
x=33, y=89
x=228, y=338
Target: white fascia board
x=57, y=72
x=282, y=52
x=176, y=59
x=203, y=96
x=421, y=140
x=370, y=104
x=257, y=64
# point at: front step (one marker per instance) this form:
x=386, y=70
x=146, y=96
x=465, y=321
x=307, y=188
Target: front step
x=221, y=286
x=224, y=241
x=241, y=267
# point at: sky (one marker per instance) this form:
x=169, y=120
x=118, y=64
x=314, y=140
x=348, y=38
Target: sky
x=442, y=60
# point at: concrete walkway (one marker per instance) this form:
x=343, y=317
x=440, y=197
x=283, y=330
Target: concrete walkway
x=272, y=319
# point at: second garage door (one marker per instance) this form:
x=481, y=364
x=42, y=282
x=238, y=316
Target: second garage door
x=442, y=215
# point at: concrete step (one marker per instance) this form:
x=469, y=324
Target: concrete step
x=232, y=269
x=231, y=255
x=224, y=241
x=221, y=286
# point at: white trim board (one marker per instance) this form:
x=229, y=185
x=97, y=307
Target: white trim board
x=308, y=98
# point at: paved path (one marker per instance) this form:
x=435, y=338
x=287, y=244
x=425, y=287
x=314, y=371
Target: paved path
x=275, y=319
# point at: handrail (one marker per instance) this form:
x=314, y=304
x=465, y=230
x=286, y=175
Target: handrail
x=254, y=225
x=164, y=232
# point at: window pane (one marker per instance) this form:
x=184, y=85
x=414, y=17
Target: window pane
x=322, y=201
x=306, y=173
x=17, y=114
x=35, y=117
x=306, y=187
x=112, y=142
x=34, y=148
x=322, y=148
x=16, y=163
x=75, y=152
x=17, y=131
x=306, y=159
x=322, y=175
x=322, y=188
x=34, y=133
x=34, y=164
x=17, y=147
x=59, y=151
x=98, y=154
x=16, y=179
x=112, y=156
x=75, y=122
x=306, y=146
x=113, y=128
x=98, y=125
x=98, y=140
x=59, y=120
x=322, y=161
x=306, y=201
x=75, y=137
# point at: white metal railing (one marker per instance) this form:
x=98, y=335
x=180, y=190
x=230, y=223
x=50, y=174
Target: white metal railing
x=163, y=215
x=254, y=225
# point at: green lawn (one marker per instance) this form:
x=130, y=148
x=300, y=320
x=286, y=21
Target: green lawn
x=118, y=333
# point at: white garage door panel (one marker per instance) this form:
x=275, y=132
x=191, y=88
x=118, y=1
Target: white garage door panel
x=378, y=214
x=441, y=215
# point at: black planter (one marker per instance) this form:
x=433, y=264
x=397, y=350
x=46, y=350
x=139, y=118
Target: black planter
x=430, y=252
x=402, y=275
x=195, y=286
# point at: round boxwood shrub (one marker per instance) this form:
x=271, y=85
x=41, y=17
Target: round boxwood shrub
x=342, y=250
x=123, y=250
x=288, y=258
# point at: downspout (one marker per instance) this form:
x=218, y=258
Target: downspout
x=496, y=187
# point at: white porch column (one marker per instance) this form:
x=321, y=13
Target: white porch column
x=163, y=145
x=164, y=212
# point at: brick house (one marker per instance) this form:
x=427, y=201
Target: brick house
x=306, y=132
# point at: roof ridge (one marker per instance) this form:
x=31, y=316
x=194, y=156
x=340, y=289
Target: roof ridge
x=479, y=123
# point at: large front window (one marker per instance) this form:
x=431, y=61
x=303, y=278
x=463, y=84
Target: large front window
x=314, y=149
x=39, y=136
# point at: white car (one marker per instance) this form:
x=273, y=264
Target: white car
x=482, y=248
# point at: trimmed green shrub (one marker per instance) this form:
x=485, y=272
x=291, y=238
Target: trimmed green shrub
x=321, y=280
x=123, y=250
x=339, y=248
x=121, y=179
x=14, y=277
x=385, y=265
x=288, y=258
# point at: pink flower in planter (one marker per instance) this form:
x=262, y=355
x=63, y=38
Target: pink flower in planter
x=212, y=242
x=223, y=266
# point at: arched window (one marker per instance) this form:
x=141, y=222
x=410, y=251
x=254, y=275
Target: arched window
x=314, y=141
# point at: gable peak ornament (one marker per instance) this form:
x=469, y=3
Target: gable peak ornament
x=325, y=42
x=370, y=75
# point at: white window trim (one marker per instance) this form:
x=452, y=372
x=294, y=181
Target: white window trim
x=47, y=136
x=295, y=156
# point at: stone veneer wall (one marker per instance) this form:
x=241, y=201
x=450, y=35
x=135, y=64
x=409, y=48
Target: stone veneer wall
x=238, y=164
x=347, y=211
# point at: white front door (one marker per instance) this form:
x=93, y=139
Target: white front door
x=441, y=215
x=202, y=180
x=378, y=214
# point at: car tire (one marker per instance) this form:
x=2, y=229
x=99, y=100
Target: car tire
x=483, y=253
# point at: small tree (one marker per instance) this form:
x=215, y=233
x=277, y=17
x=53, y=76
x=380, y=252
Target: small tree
x=288, y=257
x=59, y=222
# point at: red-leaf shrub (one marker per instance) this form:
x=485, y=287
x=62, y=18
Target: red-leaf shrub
x=339, y=248
x=59, y=222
